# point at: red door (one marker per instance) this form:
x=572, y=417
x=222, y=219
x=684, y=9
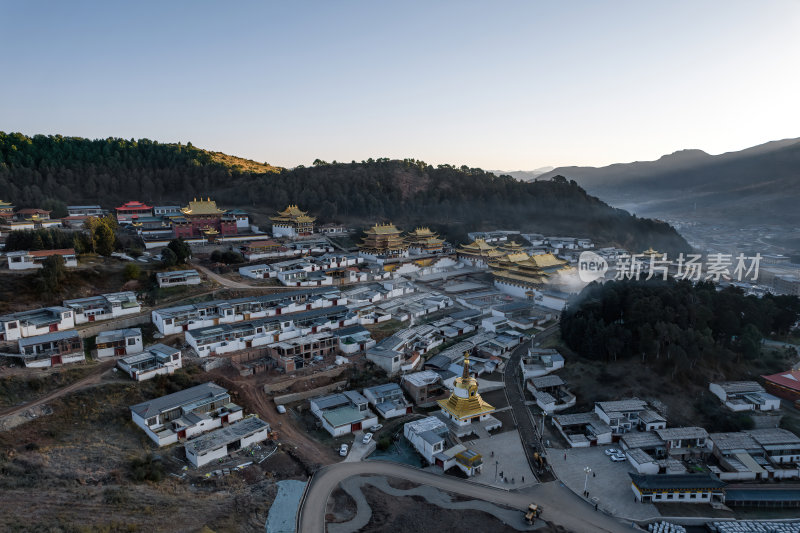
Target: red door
x=55, y=360
x=119, y=351
x=225, y=419
x=182, y=434
x=53, y=327
x=409, y=410
x=91, y=318
x=356, y=426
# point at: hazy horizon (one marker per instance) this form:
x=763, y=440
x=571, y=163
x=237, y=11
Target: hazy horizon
x=519, y=88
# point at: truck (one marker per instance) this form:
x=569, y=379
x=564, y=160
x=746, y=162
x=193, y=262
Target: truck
x=533, y=513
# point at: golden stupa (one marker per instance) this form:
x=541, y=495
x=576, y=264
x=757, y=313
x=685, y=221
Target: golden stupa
x=465, y=403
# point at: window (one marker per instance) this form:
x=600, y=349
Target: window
x=132, y=341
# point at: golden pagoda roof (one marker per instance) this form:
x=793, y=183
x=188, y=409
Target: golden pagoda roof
x=464, y=401
x=422, y=231
x=650, y=252
x=478, y=244
x=511, y=246
x=202, y=207
x=383, y=229
x=5, y=204
x=292, y=211
x=208, y=230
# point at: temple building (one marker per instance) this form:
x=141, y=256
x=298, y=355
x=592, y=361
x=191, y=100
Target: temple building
x=383, y=241
x=6, y=211
x=203, y=218
x=465, y=406
x=292, y=222
x=129, y=211
x=423, y=241
x=478, y=253
x=519, y=274
x=511, y=247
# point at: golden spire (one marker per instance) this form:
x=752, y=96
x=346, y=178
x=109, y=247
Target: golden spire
x=465, y=373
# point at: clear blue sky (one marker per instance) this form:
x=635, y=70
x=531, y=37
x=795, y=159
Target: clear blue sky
x=500, y=85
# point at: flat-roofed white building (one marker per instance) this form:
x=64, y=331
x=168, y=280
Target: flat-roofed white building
x=427, y=435
x=744, y=396
x=23, y=260
x=177, y=278
x=218, y=444
x=154, y=361
x=388, y=400
x=227, y=338
x=119, y=342
x=343, y=413
x=171, y=320
x=186, y=413
x=52, y=349
x=35, y=322
x=104, y=306
x=677, y=488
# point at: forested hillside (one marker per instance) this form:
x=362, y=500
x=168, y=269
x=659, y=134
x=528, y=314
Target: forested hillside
x=54, y=170
x=672, y=325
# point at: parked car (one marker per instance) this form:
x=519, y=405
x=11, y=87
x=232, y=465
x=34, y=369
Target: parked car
x=618, y=458
x=367, y=438
x=612, y=451
x=281, y=409
x=343, y=450
x=377, y=427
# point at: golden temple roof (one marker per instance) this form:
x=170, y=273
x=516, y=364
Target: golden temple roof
x=292, y=211
x=652, y=253
x=5, y=204
x=511, y=246
x=293, y=214
x=383, y=229
x=202, y=207
x=465, y=402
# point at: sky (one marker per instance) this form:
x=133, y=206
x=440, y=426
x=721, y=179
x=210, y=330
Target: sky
x=498, y=85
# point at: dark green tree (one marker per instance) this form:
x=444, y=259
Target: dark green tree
x=181, y=250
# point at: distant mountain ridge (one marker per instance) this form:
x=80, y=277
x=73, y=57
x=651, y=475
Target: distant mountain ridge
x=754, y=185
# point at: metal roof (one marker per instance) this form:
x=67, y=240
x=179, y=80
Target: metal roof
x=343, y=415
x=682, y=433
x=178, y=399
x=420, y=379
x=676, y=481
x=226, y=435
x=49, y=337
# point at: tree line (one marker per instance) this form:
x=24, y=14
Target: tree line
x=50, y=170
x=674, y=323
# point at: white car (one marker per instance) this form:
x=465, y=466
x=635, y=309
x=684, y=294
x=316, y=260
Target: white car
x=618, y=458
x=612, y=451
x=343, y=450
x=281, y=409
x=367, y=438
x=377, y=427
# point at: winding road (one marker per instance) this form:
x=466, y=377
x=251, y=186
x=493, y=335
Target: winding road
x=516, y=399
x=561, y=506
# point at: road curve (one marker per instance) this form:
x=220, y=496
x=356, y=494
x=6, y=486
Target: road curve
x=561, y=506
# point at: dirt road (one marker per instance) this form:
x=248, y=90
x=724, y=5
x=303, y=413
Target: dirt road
x=92, y=379
x=312, y=453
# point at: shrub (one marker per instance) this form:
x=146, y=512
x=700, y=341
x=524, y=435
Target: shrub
x=132, y=271
x=148, y=469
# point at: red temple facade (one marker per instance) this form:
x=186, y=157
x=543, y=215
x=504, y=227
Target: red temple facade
x=130, y=211
x=203, y=218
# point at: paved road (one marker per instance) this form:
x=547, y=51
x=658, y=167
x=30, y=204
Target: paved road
x=561, y=506
x=516, y=399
